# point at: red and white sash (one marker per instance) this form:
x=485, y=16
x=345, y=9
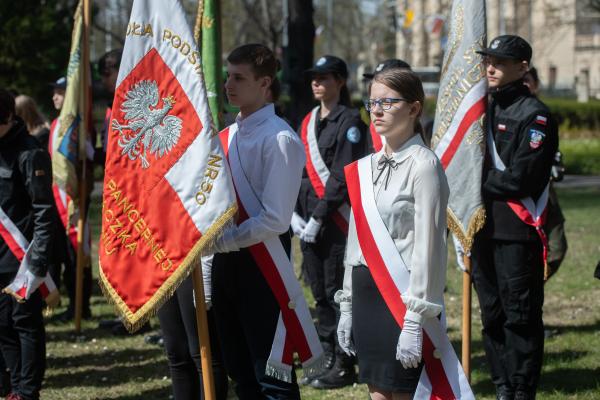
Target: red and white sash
x=21, y=288
x=295, y=329
x=442, y=377
x=531, y=212
x=376, y=138
x=317, y=170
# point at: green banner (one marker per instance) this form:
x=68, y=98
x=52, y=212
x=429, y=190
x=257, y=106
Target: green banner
x=211, y=59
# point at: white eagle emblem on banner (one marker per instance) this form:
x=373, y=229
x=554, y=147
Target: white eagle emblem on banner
x=151, y=128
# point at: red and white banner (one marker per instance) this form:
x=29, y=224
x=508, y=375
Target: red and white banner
x=167, y=187
x=67, y=210
x=25, y=283
x=317, y=170
x=458, y=132
x=295, y=332
x=442, y=377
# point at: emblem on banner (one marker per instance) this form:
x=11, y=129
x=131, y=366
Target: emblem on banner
x=151, y=128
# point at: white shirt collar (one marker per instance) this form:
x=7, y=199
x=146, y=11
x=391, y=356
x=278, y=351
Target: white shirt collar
x=248, y=124
x=405, y=150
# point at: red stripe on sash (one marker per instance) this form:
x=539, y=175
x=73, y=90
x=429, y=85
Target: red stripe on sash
x=441, y=388
x=315, y=180
x=470, y=117
x=295, y=338
x=375, y=138
x=524, y=215
x=12, y=244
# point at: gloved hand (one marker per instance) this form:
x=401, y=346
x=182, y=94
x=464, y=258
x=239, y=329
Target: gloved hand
x=226, y=242
x=410, y=344
x=298, y=224
x=344, y=329
x=310, y=232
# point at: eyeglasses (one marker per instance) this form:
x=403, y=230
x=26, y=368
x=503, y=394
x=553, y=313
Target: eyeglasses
x=385, y=103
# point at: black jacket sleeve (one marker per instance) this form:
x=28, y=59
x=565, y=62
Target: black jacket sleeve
x=346, y=151
x=529, y=169
x=36, y=170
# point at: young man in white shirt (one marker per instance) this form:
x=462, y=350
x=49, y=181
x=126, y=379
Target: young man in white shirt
x=266, y=159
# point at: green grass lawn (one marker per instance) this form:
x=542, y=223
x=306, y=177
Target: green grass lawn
x=97, y=365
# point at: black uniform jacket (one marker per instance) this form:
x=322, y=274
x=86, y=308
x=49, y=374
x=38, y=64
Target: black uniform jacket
x=526, y=139
x=26, y=197
x=339, y=145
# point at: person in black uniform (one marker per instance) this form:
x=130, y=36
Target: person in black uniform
x=340, y=137
x=508, y=264
x=26, y=199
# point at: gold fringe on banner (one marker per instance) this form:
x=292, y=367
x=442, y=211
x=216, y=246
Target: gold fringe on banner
x=475, y=224
x=134, y=321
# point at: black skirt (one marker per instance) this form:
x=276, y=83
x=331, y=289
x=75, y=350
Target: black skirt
x=375, y=333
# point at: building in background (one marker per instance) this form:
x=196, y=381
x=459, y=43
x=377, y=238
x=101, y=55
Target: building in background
x=565, y=36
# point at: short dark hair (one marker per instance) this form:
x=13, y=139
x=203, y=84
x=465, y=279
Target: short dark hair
x=258, y=56
x=7, y=105
x=262, y=60
x=110, y=60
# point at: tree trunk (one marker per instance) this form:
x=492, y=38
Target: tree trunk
x=298, y=57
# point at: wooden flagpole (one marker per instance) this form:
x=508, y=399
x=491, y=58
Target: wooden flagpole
x=198, y=282
x=82, y=181
x=466, y=318
x=202, y=327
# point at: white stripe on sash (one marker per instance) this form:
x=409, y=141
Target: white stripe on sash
x=535, y=209
x=18, y=287
x=319, y=165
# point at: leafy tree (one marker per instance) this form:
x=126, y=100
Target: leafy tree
x=34, y=50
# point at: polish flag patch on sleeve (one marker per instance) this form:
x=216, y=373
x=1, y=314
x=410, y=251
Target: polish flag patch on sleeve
x=540, y=119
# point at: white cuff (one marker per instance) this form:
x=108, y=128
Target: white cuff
x=227, y=241
x=418, y=309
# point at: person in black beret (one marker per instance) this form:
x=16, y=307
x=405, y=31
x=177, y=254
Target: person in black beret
x=509, y=253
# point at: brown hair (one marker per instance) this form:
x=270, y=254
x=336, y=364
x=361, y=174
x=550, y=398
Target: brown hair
x=408, y=84
x=262, y=61
x=26, y=108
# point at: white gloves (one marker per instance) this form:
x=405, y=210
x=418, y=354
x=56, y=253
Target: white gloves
x=410, y=344
x=207, y=279
x=226, y=242
x=344, y=329
x=310, y=232
x=298, y=224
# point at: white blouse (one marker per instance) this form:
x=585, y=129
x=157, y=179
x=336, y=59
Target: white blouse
x=413, y=208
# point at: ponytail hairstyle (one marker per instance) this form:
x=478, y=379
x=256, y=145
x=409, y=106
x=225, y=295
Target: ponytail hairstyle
x=409, y=85
x=345, y=99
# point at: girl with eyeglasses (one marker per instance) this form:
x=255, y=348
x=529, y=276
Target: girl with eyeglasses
x=395, y=261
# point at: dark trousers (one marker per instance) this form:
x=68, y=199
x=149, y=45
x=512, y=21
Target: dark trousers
x=178, y=324
x=323, y=265
x=246, y=315
x=509, y=279
x=69, y=278
x=23, y=341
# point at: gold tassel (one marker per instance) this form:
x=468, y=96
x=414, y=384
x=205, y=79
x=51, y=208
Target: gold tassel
x=475, y=224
